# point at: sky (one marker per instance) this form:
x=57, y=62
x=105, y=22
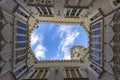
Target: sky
x=53, y=42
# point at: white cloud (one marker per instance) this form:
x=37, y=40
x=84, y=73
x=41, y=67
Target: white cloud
x=40, y=51
x=63, y=29
x=67, y=40
x=67, y=56
x=34, y=39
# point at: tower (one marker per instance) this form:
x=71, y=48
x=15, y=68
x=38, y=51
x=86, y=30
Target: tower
x=79, y=52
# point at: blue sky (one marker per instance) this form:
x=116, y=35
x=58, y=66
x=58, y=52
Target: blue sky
x=53, y=42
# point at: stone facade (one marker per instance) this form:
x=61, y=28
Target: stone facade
x=79, y=52
x=100, y=19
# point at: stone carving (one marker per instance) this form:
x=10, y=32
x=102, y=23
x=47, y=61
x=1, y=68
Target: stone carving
x=2, y=63
x=116, y=71
x=115, y=44
x=2, y=40
x=3, y=22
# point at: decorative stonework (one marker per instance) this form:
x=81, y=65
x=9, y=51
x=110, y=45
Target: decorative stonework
x=116, y=71
x=39, y=2
x=2, y=63
x=2, y=40
x=115, y=44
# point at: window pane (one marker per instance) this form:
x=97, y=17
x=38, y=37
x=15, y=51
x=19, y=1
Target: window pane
x=96, y=26
x=96, y=39
x=97, y=53
x=21, y=31
x=73, y=11
x=96, y=59
x=96, y=69
x=97, y=46
x=21, y=38
x=96, y=32
x=21, y=13
x=20, y=52
x=19, y=71
x=20, y=59
x=20, y=24
x=19, y=45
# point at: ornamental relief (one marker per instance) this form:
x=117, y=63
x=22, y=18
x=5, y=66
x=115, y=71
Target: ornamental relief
x=115, y=44
x=2, y=40
x=2, y=63
x=3, y=23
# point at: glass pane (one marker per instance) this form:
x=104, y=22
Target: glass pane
x=20, y=24
x=21, y=38
x=96, y=26
x=97, y=46
x=21, y=31
x=96, y=32
x=18, y=45
x=96, y=59
x=96, y=39
x=97, y=53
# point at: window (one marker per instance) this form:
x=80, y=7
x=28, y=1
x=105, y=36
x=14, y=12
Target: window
x=95, y=58
x=96, y=69
x=68, y=11
x=22, y=25
x=20, y=52
x=20, y=59
x=44, y=10
x=45, y=73
x=96, y=39
x=20, y=45
x=96, y=26
x=78, y=72
x=19, y=71
x=97, y=46
x=49, y=10
x=73, y=73
x=78, y=12
x=21, y=13
x=21, y=38
x=96, y=53
x=95, y=16
x=33, y=74
x=39, y=74
x=67, y=73
x=96, y=32
x=73, y=11
x=21, y=31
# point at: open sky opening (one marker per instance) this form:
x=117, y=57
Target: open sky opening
x=51, y=41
